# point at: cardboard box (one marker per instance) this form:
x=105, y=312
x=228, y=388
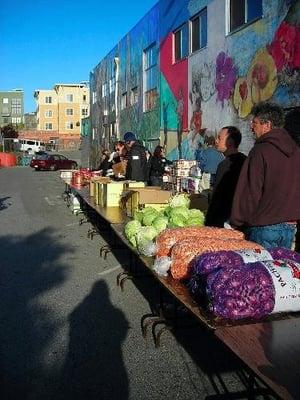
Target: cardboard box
x=133, y=184
x=119, y=168
x=112, y=193
x=94, y=181
x=152, y=196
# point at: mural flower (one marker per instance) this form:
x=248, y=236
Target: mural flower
x=262, y=76
x=225, y=77
x=285, y=47
x=242, y=97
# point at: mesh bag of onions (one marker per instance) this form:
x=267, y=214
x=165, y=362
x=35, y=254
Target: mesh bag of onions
x=206, y=263
x=255, y=290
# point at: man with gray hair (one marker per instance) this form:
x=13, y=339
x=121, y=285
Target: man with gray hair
x=267, y=197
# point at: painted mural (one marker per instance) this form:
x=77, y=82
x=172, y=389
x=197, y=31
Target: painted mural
x=213, y=87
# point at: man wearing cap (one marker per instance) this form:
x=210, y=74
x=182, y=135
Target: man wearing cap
x=136, y=169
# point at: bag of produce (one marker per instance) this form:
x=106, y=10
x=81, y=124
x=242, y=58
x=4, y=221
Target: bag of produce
x=169, y=237
x=255, y=290
x=183, y=252
x=206, y=263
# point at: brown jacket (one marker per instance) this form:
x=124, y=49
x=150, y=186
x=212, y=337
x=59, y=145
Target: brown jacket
x=268, y=190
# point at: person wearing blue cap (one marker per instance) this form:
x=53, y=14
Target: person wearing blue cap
x=136, y=169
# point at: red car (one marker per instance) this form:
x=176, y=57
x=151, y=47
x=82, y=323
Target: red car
x=52, y=162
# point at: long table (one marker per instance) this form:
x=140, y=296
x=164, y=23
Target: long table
x=270, y=348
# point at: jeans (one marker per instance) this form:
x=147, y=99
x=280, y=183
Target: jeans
x=277, y=235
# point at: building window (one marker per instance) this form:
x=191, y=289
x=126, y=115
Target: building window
x=5, y=120
x=5, y=110
x=16, y=120
x=134, y=95
x=180, y=37
x=16, y=106
x=150, y=77
x=198, y=26
x=69, y=111
x=48, y=99
x=69, y=125
x=242, y=12
x=94, y=97
x=94, y=133
x=84, y=98
x=48, y=126
x=112, y=84
x=124, y=101
x=69, y=98
x=104, y=90
x=84, y=112
x=5, y=100
x=48, y=113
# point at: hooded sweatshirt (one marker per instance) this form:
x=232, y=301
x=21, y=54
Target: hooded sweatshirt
x=268, y=190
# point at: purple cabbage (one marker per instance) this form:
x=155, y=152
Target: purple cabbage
x=241, y=292
x=280, y=253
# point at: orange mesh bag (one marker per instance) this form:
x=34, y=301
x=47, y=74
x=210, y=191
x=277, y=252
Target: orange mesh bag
x=167, y=238
x=183, y=252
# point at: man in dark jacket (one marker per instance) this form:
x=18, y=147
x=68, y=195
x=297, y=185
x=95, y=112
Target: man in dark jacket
x=136, y=169
x=267, y=198
x=227, y=175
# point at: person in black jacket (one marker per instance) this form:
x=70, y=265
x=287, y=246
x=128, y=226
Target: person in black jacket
x=105, y=163
x=157, y=168
x=136, y=169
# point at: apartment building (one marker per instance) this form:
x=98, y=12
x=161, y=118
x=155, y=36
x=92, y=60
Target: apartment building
x=12, y=107
x=61, y=109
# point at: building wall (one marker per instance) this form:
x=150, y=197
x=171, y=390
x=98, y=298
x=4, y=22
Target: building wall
x=67, y=128
x=44, y=109
x=10, y=112
x=209, y=88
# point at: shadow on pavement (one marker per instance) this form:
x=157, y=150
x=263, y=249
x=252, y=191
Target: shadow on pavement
x=29, y=266
x=3, y=203
x=94, y=367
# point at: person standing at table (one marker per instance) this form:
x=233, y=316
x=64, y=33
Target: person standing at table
x=227, y=175
x=136, y=169
x=157, y=168
x=267, y=198
x=208, y=160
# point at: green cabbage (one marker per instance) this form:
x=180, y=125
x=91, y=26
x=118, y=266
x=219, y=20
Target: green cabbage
x=179, y=200
x=195, y=221
x=131, y=228
x=180, y=211
x=138, y=216
x=146, y=233
x=177, y=221
x=160, y=223
x=149, y=217
x=196, y=214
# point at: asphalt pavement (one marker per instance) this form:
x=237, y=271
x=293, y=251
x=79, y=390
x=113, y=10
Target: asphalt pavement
x=67, y=331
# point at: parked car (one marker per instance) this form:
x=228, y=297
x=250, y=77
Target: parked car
x=52, y=162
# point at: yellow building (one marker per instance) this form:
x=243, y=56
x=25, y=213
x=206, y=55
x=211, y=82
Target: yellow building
x=61, y=109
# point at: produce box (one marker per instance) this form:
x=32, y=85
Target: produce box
x=94, y=180
x=119, y=168
x=112, y=193
x=149, y=196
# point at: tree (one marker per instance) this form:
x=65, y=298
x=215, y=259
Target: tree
x=8, y=131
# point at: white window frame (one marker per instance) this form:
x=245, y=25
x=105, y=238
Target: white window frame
x=69, y=125
x=5, y=100
x=228, y=21
x=104, y=90
x=48, y=114
x=68, y=112
x=94, y=95
x=200, y=16
x=70, y=98
x=134, y=95
x=48, y=99
x=84, y=112
x=124, y=101
x=48, y=126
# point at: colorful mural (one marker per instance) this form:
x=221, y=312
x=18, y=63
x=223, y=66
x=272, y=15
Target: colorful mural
x=214, y=86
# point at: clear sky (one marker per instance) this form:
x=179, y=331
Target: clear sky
x=43, y=42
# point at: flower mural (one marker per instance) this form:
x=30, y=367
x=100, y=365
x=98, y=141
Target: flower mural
x=262, y=76
x=259, y=84
x=226, y=75
x=285, y=47
x=242, y=97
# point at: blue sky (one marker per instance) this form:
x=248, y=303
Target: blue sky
x=44, y=42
